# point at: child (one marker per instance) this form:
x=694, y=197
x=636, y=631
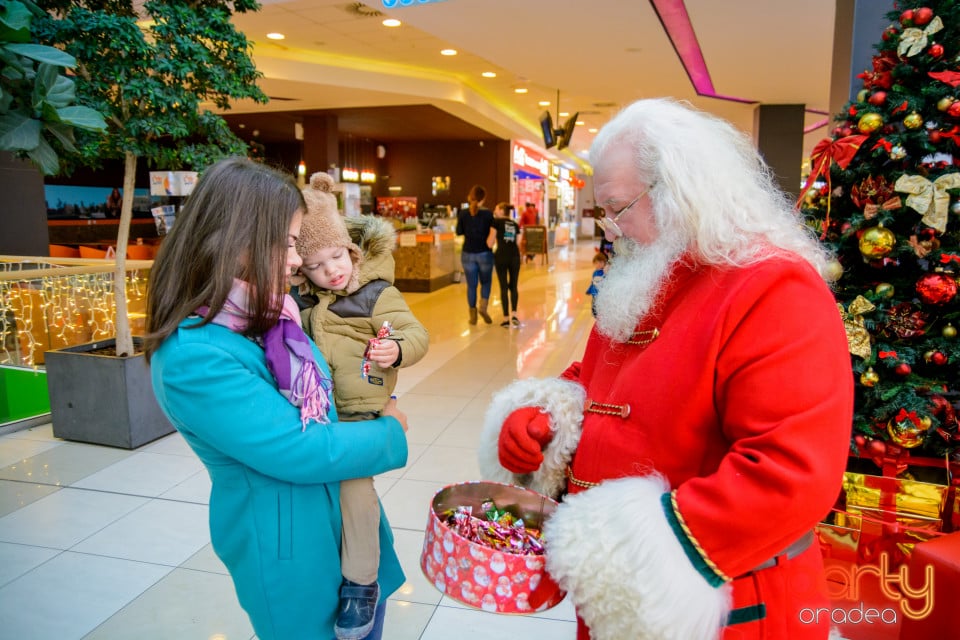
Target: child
x=347, y=276
x=599, y=270
x=506, y=261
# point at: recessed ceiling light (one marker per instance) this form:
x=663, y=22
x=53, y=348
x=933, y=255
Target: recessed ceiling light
x=448, y=52
x=520, y=90
x=391, y=22
x=579, y=123
x=276, y=36
x=564, y=114
x=544, y=103
x=489, y=74
x=592, y=130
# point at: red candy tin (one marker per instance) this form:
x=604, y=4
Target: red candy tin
x=481, y=576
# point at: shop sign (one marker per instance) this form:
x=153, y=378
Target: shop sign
x=526, y=159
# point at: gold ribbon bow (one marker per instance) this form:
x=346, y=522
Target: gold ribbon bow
x=924, y=193
x=913, y=40
x=858, y=338
x=870, y=210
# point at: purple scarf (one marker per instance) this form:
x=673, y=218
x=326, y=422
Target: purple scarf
x=288, y=353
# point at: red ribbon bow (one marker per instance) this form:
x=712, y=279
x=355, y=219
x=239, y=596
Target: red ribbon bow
x=952, y=78
x=887, y=354
x=826, y=152
x=945, y=258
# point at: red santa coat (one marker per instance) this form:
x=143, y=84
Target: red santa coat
x=737, y=390
x=740, y=393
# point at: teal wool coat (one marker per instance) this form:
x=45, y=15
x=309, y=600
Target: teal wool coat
x=275, y=501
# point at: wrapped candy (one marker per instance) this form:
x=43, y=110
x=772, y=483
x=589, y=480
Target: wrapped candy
x=385, y=331
x=497, y=529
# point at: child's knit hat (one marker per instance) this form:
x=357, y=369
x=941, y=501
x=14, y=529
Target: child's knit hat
x=323, y=226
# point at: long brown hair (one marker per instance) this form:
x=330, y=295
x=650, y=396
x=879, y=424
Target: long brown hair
x=475, y=198
x=234, y=225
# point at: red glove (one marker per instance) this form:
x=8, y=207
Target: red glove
x=524, y=434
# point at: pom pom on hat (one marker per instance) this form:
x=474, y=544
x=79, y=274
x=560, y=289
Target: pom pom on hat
x=323, y=226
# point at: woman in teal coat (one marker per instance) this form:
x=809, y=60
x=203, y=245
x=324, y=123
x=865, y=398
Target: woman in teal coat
x=250, y=393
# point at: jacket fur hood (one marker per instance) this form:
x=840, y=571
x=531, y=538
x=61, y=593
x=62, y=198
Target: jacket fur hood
x=377, y=239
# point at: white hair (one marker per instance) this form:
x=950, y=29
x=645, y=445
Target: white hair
x=710, y=183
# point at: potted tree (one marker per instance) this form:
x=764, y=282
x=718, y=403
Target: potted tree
x=151, y=69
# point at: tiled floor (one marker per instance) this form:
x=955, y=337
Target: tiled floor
x=100, y=543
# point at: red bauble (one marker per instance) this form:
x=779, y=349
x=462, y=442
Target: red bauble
x=922, y=16
x=938, y=358
x=846, y=131
x=936, y=288
x=906, y=18
x=877, y=98
x=934, y=136
x=903, y=369
x=860, y=440
x=889, y=32
x=877, y=447
x=954, y=109
x=935, y=51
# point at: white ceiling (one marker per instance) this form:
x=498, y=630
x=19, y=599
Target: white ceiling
x=599, y=54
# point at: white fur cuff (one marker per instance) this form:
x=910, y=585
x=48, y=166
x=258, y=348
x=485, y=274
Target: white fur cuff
x=563, y=401
x=612, y=549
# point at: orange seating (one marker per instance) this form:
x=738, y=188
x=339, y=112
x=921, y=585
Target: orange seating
x=92, y=252
x=140, y=252
x=62, y=251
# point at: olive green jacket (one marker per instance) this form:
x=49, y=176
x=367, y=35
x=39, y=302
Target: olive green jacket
x=342, y=323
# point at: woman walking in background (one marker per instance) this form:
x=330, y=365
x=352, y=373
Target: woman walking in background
x=476, y=226
x=506, y=260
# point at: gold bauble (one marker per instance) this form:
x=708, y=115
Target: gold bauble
x=877, y=242
x=869, y=377
x=834, y=271
x=862, y=95
x=944, y=103
x=884, y=290
x=869, y=123
x=913, y=121
x=949, y=332
x=905, y=433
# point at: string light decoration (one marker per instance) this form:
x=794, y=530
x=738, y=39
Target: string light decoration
x=41, y=309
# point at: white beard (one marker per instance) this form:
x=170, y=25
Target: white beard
x=632, y=283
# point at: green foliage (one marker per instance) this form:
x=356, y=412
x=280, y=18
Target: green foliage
x=155, y=76
x=913, y=345
x=37, y=111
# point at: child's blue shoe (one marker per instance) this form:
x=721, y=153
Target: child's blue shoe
x=358, y=609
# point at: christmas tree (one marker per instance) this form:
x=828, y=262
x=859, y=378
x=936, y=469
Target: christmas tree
x=884, y=194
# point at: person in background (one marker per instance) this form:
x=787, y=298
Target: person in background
x=599, y=270
x=506, y=260
x=347, y=277
x=114, y=203
x=475, y=224
x=698, y=448
x=529, y=217
x=236, y=375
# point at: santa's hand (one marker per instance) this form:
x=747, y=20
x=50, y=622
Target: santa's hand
x=524, y=434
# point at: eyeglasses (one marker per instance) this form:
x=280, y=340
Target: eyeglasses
x=608, y=224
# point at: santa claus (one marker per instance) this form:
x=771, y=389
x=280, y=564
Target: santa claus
x=704, y=433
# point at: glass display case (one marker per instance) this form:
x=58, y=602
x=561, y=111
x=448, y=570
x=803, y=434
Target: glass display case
x=52, y=303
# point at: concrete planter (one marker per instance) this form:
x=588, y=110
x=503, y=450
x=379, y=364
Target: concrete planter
x=102, y=399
